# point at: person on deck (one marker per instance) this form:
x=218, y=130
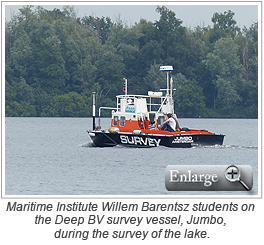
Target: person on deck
x=169, y=124
x=152, y=126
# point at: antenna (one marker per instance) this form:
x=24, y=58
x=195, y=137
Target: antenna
x=94, y=110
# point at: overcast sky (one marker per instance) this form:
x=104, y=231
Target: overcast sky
x=246, y=13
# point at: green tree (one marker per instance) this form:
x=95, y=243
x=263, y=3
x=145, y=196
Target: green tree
x=21, y=56
x=227, y=73
x=225, y=21
x=166, y=27
x=54, y=58
x=189, y=98
x=22, y=109
x=68, y=105
x=172, y=37
x=110, y=73
x=155, y=80
x=49, y=70
x=224, y=26
x=252, y=32
x=102, y=26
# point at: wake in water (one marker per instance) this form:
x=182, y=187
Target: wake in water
x=228, y=147
x=90, y=144
x=240, y=147
x=87, y=144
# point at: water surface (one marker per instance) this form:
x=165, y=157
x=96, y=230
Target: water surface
x=53, y=156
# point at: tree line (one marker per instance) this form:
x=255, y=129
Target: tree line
x=54, y=60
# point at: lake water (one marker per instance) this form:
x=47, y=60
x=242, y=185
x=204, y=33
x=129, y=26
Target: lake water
x=53, y=156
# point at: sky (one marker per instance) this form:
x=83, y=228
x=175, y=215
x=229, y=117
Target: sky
x=246, y=13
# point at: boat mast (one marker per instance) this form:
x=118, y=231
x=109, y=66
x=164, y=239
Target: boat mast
x=125, y=86
x=93, y=110
x=169, y=89
x=168, y=86
x=168, y=69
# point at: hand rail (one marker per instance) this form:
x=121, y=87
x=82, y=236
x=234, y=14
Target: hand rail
x=99, y=119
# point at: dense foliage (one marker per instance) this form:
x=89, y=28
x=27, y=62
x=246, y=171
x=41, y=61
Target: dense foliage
x=54, y=61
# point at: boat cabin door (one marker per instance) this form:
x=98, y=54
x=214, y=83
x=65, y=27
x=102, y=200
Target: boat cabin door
x=152, y=118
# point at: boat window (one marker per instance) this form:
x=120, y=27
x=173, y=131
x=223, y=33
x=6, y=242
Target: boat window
x=122, y=121
x=115, y=121
x=160, y=120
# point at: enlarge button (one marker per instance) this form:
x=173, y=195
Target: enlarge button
x=209, y=178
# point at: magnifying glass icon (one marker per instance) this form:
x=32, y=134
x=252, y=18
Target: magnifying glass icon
x=232, y=174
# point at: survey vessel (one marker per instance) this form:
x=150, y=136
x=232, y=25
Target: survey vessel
x=137, y=121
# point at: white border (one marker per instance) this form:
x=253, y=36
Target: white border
x=259, y=195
